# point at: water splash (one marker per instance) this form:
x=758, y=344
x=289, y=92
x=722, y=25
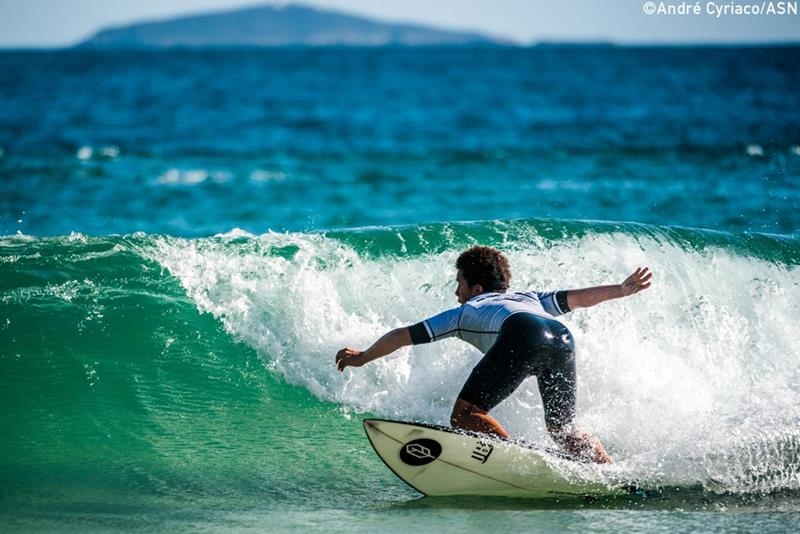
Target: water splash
x=692, y=382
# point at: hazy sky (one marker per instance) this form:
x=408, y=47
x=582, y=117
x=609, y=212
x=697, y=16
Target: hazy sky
x=49, y=23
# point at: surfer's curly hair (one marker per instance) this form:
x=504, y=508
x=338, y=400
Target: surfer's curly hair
x=485, y=266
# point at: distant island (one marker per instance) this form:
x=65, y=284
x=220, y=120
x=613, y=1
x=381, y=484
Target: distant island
x=276, y=25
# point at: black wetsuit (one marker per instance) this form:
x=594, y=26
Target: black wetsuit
x=519, y=338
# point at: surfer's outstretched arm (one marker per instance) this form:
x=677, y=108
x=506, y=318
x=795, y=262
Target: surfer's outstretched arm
x=387, y=344
x=590, y=296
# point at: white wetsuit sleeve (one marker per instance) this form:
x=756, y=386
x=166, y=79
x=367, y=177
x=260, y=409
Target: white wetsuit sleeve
x=438, y=327
x=553, y=302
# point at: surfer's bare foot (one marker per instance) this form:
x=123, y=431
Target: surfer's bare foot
x=581, y=444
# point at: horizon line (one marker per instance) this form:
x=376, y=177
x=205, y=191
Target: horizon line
x=588, y=43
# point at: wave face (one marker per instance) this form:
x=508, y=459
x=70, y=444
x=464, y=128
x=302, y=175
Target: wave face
x=158, y=363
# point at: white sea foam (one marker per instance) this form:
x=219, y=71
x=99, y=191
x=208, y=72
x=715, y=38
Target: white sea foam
x=686, y=382
x=109, y=151
x=183, y=177
x=190, y=177
x=261, y=175
x=84, y=153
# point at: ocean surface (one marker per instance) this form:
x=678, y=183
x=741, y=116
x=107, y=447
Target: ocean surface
x=190, y=236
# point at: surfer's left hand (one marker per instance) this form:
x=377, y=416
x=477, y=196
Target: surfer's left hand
x=639, y=280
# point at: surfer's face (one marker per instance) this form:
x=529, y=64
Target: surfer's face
x=464, y=291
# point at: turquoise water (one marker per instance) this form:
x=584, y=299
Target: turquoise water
x=190, y=236
x=188, y=384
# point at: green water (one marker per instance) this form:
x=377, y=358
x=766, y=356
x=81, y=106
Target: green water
x=159, y=383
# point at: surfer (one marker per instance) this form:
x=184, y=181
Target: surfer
x=519, y=336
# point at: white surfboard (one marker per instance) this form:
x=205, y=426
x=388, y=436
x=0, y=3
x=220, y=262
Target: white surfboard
x=441, y=461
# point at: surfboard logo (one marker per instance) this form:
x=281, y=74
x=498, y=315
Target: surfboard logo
x=420, y=451
x=482, y=451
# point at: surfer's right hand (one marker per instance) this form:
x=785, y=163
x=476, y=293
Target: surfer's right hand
x=349, y=357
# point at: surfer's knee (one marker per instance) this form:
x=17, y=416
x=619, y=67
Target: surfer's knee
x=462, y=411
x=469, y=416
